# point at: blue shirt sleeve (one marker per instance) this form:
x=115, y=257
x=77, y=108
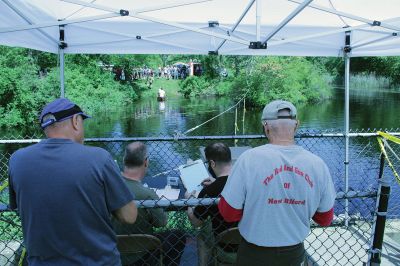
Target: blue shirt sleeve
x=116, y=192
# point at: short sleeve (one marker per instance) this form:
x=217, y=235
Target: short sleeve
x=234, y=191
x=328, y=193
x=116, y=191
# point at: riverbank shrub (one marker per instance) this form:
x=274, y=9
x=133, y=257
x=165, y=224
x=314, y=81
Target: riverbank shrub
x=291, y=78
x=24, y=89
x=20, y=88
x=193, y=86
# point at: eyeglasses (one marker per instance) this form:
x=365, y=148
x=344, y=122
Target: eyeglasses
x=207, y=163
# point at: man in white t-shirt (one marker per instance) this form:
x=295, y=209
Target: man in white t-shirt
x=274, y=190
x=161, y=93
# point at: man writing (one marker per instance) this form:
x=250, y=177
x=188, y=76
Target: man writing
x=274, y=190
x=218, y=157
x=136, y=162
x=65, y=193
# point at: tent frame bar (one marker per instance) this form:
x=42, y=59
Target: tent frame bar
x=27, y=19
x=316, y=35
x=374, y=41
x=246, y=10
x=353, y=17
x=287, y=20
x=160, y=21
x=58, y=23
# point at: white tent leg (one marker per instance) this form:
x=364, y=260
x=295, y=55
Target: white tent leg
x=258, y=20
x=61, y=56
x=346, y=128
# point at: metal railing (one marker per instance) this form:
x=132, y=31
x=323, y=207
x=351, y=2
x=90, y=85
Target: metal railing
x=346, y=242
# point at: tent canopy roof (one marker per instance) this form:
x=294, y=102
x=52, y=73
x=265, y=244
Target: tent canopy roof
x=284, y=27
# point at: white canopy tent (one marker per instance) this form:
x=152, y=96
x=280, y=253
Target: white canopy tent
x=294, y=27
x=339, y=28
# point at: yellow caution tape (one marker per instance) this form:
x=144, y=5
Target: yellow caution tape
x=3, y=186
x=21, y=259
x=389, y=137
x=383, y=150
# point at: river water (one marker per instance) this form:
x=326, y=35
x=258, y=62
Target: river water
x=369, y=109
x=147, y=117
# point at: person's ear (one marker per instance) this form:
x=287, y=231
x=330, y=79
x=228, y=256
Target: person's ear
x=75, y=122
x=212, y=163
x=297, y=125
x=265, y=129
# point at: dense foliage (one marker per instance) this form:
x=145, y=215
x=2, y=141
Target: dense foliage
x=263, y=79
x=30, y=79
x=22, y=91
x=387, y=67
x=290, y=78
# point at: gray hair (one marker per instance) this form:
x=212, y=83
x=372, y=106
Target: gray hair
x=135, y=154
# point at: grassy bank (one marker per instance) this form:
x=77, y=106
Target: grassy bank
x=170, y=86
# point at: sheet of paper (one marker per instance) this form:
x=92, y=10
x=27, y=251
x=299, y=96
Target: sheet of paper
x=168, y=193
x=192, y=175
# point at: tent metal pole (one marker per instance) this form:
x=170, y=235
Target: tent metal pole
x=138, y=10
x=315, y=35
x=347, y=129
x=27, y=19
x=164, y=22
x=114, y=13
x=287, y=20
x=378, y=227
x=258, y=20
x=246, y=10
x=374, y=41
x=350, y=16
x=61, y=56
x=57, y=23
x=310, y=36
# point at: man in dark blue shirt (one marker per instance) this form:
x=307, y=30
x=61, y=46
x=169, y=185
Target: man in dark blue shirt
x=66, y=192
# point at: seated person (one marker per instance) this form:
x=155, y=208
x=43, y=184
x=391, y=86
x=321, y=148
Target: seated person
x=218, y=156
x=173, y=242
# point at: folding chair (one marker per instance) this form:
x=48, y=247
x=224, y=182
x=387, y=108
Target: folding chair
x=230, y=236
x=135, y=244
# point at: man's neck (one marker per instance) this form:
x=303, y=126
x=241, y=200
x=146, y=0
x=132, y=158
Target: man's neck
x=225, y=171
x=281, y=140
x=133, y=174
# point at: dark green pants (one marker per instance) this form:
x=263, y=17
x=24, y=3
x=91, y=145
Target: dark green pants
x=250, y=254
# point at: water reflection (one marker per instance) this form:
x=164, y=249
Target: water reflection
x=161, y=106
x=368, y=109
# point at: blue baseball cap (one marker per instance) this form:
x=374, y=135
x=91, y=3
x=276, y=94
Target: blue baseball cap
x=59, y=110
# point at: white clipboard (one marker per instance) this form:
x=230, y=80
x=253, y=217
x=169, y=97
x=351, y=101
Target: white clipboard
x=192, y=175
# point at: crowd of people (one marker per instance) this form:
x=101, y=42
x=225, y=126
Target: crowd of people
x=177, y=71
x=73, y=200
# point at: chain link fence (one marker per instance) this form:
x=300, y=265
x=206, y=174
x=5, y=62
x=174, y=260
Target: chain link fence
x=164, y=234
